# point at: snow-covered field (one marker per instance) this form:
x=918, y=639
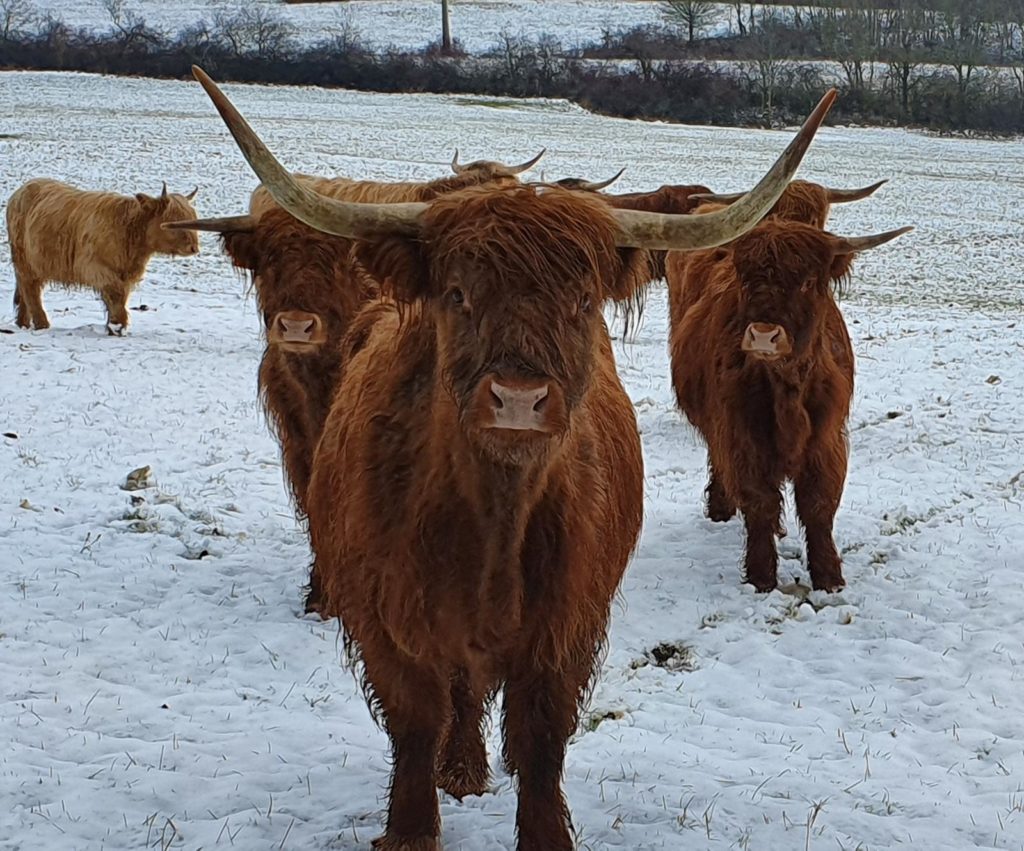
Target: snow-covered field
x=159, y=686
x=477, y=24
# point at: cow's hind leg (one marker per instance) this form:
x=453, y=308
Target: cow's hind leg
x=818, y=490
x=28, y=299
x=116, y=301
x=462, y=766
x=413, y=701
x=719, y=506
x=540, y=713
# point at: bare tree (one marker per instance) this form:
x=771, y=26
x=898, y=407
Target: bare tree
x=693, y=15
x=763, y=71
x=254, y=30
x=129, y=28
x=15, y=15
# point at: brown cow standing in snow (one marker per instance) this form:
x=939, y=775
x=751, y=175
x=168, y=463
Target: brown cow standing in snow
x=98, y=240
x=308, y=287
x=762, y=365
x=478, y=487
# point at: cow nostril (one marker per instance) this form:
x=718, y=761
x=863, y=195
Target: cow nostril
x=541, y=403
x=496, y=400
x=775, y=337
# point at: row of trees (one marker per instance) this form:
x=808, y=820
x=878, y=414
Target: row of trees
x=891, y=47
x=772, y=75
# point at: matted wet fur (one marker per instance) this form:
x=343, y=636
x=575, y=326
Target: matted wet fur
x=95, y=240
x=463, y=559
x=765, y=421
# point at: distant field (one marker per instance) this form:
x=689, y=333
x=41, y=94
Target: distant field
x=402, y=23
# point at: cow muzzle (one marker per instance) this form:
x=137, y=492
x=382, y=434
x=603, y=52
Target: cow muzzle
x=766, y=341
x=518, y=404
x=296, y=330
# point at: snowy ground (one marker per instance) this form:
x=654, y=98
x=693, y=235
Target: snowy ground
x=478, y=24
x=160, y=688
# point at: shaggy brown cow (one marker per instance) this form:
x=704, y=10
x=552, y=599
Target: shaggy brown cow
x=376, y=192
x=308, y=287
x=762, y=365
x=97, y=240
x=802, y=201
x=478, y=487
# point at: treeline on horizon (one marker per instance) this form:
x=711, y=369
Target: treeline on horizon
x=945, y=65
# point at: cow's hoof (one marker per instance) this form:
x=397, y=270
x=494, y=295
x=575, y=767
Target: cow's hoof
x=396, y=843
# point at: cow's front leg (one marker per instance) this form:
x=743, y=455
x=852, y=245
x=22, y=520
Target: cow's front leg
x=413, y=699
x=818, y=490
x=540, y=713
x=116, y=301
x=462, y=765
x=762, y=510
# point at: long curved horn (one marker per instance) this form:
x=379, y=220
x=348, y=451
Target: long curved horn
x=501, y=168
x=853, y=244
x=718, y=197
x=661, y=231
x=835, y=196
x=586, y=185
x=526, y=166
x=839, y=196
x=341, y=218
x=227, y=224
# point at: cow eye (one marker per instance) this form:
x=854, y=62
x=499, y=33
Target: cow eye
x=456, y=295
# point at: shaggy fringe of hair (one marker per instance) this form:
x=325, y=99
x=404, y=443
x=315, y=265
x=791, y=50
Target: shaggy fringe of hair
x=548, y=236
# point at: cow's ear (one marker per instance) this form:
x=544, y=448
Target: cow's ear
x=632, y=274
x=401, y=265
x=842, y=265
x=242, y=247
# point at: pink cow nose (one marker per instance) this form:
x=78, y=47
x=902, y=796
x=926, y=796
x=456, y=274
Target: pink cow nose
x=767, y=340
x=519, y=405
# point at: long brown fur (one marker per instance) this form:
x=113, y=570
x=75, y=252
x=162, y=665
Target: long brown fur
x=97, y=240
x=464, y=562
x=296, y=268
x=766, y=423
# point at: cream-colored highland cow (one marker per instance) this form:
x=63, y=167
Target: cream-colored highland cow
x=98, y=240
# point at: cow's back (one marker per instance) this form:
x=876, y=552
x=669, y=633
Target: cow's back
x=59, y=232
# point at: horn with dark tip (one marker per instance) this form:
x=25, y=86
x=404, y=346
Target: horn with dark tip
x=227, y=224
x=840, y=196
x=662, y=231
x=341, y=218
x=586, y=185
x=163, y=193
x=192, y=194
x=718, y=197
x=526, y=166
x=459, y=168
x=853, y=244
x=835, y=196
